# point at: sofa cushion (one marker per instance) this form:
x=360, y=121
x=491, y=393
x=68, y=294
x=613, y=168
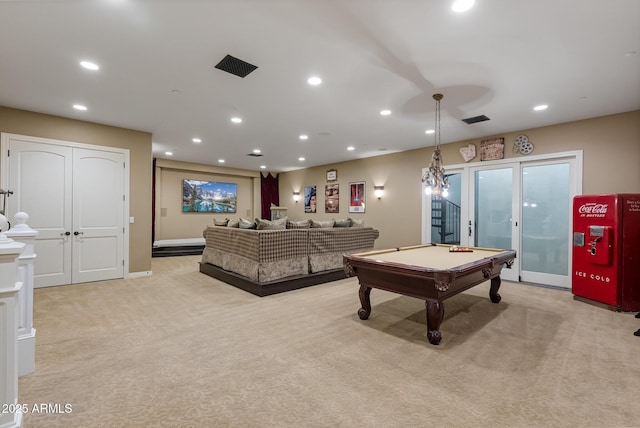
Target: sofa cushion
x=246, y=224
x=357, y=223
x=217, y=222
x=302, y=224
x=322, y=224
x=343, y=223
x=262, y=224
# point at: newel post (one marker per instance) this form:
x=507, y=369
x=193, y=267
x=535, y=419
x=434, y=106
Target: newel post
x=21, y=232
x=9, y=290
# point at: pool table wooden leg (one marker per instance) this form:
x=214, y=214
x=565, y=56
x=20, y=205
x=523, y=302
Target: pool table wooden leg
x=365, y=301
x=493, y=291
x=435, y=315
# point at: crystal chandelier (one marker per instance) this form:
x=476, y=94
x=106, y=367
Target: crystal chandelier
x=437, y=184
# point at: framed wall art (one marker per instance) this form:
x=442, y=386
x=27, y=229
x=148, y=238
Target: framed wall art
x=357, y=197
x=209, y=197
x=310, y=199
x=332, y=175
x=331, y=198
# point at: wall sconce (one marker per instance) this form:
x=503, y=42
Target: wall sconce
x=378, y=191
x=296, y=196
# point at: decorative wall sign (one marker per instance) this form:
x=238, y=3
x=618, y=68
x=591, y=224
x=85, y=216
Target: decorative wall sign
x=492, y=149
x=522, y=145
x=468, y=152
x=357, y=197
x=332, y=174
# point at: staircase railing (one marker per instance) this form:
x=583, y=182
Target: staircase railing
x=445, y=219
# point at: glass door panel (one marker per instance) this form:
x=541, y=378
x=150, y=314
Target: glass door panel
x=546, y=211
x=493, y=208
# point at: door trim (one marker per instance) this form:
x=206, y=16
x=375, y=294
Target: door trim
x=5, y=138
x=576, y=156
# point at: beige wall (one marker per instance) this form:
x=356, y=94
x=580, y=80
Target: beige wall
x=172, y=223
x=139, y=145
x=611, y=147
x=611, y=155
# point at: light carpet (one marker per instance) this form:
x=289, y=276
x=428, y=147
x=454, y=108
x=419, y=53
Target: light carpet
x=181, y=349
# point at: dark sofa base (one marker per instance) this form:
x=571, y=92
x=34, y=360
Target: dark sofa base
x=272, y=287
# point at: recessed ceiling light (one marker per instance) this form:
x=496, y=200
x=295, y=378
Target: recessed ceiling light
x=462, y=5
x=263, y=166
x=351, y=148
x=304, y=137
x=79, y=107
x=168, y=153
x=197, y=140
x=256, y=151
x=429, y=131
x=220, y=160
x=301, y=159
x=385, y=112
x=89, y=65
x=314, y=81
x=236, y=120
x=541, y=107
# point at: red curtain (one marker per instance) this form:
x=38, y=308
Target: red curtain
x=269, y=193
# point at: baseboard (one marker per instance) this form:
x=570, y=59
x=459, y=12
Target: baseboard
x=139, y=274
x=271, y=287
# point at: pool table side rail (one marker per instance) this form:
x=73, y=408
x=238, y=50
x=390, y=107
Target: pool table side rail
x=385, y=275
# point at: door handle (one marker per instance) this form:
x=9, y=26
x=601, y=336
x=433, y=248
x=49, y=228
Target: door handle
x=78, y=233
x=67, y=233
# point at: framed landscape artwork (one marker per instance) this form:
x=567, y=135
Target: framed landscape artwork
x=209, y=197
x=357, y=197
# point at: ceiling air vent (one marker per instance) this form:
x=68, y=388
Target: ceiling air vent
x=255, y=155
x=235, y=66
x=475, y=119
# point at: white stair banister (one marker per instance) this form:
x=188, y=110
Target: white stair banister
x=9, y=290
x=21, y=232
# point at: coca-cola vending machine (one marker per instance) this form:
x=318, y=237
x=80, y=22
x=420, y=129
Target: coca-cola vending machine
x=606, y=250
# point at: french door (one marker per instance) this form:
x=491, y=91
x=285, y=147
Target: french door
x=522, y=204
x=74, y=195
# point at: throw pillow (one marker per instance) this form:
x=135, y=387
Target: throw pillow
x=246, y=224
x=343, y=223
x=233, y=223
x=321, y=224
x=357, y=223
x=279, y=224
x=217, y=222
x=302, y=224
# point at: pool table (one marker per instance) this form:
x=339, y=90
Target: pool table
x=431, y=272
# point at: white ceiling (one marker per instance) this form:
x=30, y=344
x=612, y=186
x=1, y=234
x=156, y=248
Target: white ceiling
x=157, y=58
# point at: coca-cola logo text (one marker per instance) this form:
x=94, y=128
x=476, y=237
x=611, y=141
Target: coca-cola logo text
x=592, y=209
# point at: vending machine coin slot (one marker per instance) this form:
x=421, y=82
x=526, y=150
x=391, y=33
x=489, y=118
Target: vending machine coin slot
x=600, y=245
x=578, y=239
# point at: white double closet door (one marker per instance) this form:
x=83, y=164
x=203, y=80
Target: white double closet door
x=74, y=195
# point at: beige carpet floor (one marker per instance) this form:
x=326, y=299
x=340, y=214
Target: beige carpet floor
x=181, y=349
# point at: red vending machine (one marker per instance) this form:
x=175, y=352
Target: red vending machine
x=606, y=250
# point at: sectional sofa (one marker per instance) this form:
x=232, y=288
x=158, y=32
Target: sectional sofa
x=282, y=255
